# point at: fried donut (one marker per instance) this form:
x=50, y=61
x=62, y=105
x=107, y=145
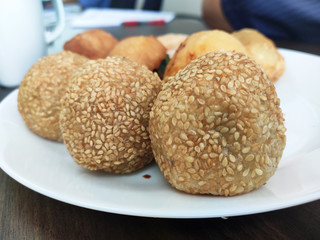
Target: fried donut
x=146, y=50
x=94, y=44
x=263, y=51
x=105, y=115
x=41, y=90
x=198, y=44
x=217, y=127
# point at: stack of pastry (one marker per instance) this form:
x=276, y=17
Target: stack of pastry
x=214, y=125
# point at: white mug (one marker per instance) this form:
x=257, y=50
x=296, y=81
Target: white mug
x=22, y=37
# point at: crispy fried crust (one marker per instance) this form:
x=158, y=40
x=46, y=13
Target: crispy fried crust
x=198, y=44
x=263, y=51
x=171, y=41
x=217, y=127
x=94, y=44
x=41, y=90
x=146, y=50
x=106, y=113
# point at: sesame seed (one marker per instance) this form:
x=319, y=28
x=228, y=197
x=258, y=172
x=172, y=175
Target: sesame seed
x=224, y=162
x=258, y=171
x=232, y=158
x=249, y=157
x=190, y=159
x=245, y=172
x=246, y=149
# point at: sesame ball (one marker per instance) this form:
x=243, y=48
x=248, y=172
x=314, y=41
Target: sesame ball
x=217, y=127
x=106, y=113
x=41, y=90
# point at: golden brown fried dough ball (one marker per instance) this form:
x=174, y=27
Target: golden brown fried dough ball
x=41, y=90
x=106, y=113
x=198, y=44
x=146, y=50
x=263, y=51
x=94, y=44
x=217, y=127
x=171, y=41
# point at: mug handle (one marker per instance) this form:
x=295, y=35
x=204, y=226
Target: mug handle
x=51, y=36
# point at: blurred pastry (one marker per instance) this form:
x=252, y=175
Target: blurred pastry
x=217, y=127
x=171, y=41
x=263, y=51
x=41, y=90
x=146, y=50
x=94, y=44
x=198, y=44
x=105, y=115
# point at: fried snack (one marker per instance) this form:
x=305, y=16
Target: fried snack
x=146, y=50
x=263, y=51
x=217, y=127
x=171, y=41
x=94, y=44
x=41, y=90
x=105, y=115
x=198, y=44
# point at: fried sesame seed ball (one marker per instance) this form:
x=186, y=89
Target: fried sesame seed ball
x=93, y=43
x=41, y=90
x=217, y=127
x=106, y=113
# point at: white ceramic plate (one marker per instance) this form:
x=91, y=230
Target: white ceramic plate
x=47, y=168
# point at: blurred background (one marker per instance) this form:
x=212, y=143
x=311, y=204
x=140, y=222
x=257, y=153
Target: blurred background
x=180, y=8
x=184, y=7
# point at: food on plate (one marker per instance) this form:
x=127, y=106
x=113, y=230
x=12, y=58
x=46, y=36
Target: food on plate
x=146, y=50
x=41, y=90
x=217, y=127
x=94, y=44
x=105, y=114
x=171, y=41
x=198, y=44
x=263, y=51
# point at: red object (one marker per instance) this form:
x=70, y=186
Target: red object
x=136, y=23
x=131, y=23
x=157, y=22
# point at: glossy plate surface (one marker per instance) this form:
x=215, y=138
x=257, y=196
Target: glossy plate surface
x=46, y=166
